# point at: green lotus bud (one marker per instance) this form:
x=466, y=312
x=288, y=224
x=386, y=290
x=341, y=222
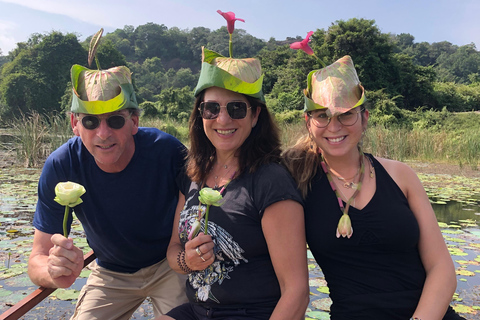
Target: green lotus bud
x=209, y=196
x=68, y=193
x=344, y=227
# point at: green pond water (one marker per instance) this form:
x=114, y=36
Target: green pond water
x=456, y=202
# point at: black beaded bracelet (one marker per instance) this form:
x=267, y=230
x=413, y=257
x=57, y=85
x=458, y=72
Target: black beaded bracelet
x=182, y=263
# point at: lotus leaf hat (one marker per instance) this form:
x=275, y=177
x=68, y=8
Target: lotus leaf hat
x=102, y=91
x=335, y=88
x=237, y=75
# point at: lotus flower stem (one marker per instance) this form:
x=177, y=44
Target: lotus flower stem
x=206, y=219
x=230, y=46
x=65, y=218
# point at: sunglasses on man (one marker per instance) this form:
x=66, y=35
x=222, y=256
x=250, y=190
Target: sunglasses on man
x=91, y=122
x=236, y=110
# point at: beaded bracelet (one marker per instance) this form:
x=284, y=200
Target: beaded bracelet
x=182, y=263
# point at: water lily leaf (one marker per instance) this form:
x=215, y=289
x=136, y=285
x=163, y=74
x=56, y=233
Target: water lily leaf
x=452, y=231
x=4, y=293
x=461, y=308
x=467, y=273
x=66, y=294
x=21, y=281
x=454, y=239
x=85, y=273
x=457, y=252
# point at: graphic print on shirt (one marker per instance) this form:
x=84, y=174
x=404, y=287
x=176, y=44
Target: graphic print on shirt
x=228, y=253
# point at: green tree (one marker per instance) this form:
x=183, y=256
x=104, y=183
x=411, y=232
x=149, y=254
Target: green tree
x=174, y=101
x=149, y=41
x=456, y=67
x=370, y=49
x=36, y=78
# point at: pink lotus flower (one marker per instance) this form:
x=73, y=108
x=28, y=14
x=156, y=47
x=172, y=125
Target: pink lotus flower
x=230, y=17
x=303, y=45
x=344, y=227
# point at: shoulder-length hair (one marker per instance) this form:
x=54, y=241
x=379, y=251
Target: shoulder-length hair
x=262, y=146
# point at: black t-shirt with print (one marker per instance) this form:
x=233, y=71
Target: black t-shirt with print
x=242, y=274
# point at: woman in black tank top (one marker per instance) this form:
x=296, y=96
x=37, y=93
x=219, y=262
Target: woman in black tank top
x=369, y=222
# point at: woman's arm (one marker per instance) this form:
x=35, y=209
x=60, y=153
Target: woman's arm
x=441, y=281
x=203, y=242
x=284, y=230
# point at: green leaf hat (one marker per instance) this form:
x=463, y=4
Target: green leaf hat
x=237, y=75
x=101, y=91
x=335, y=87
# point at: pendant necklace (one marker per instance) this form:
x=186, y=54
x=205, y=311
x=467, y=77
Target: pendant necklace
x=346, y=184
x=216, y=177
x=345, y=208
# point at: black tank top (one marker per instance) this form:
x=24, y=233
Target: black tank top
x=377, y=273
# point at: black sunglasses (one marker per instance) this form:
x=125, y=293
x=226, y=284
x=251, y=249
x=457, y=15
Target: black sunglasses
x=115, y=121
x=236, y=109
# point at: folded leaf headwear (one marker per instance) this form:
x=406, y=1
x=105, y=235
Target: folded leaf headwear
x=335, y=88
x=237, y=75
x=102, y=91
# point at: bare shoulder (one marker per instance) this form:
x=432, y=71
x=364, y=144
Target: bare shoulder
x=400, y=172
x=395, y=167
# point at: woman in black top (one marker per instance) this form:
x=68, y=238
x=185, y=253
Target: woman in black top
x=369, y=222
x=249, y=258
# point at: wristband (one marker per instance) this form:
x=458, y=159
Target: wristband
x=182, y=263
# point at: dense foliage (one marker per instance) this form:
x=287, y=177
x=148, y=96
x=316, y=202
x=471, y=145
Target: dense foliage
x=401, y=77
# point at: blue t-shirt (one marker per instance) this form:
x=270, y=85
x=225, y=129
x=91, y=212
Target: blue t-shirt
x=127, y=216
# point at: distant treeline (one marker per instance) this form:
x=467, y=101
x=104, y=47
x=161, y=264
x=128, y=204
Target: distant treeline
x=398, y=74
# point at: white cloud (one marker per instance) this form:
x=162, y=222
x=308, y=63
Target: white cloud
x=7, y=41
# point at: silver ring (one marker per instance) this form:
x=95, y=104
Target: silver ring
x=203, y=259
x=198, y=251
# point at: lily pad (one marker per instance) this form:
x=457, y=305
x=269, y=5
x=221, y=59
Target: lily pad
x=66, y=294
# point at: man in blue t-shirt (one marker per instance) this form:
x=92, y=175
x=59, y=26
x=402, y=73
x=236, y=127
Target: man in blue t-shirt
x=128, y=208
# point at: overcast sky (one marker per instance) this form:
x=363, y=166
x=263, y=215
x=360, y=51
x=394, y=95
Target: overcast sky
x=456, y=21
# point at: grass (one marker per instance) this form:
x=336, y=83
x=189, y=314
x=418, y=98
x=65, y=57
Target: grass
x=37, y=136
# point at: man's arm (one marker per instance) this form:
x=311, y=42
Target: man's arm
x=54, y=261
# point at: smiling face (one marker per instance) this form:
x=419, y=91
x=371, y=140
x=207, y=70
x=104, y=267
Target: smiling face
x=336, y=139
x=112, y=148
x=227, y=134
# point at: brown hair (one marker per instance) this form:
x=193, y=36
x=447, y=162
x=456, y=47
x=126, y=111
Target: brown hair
x=303, y=160
x=262, y=146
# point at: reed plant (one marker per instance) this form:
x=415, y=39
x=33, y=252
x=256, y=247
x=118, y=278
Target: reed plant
x=30, y=131
x=178, y=129
x=38, y=135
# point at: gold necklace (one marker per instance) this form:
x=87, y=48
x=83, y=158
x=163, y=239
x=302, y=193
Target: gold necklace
x=345, y=181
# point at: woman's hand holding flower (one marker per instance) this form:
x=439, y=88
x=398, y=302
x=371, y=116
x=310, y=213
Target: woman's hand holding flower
x=205, y=245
